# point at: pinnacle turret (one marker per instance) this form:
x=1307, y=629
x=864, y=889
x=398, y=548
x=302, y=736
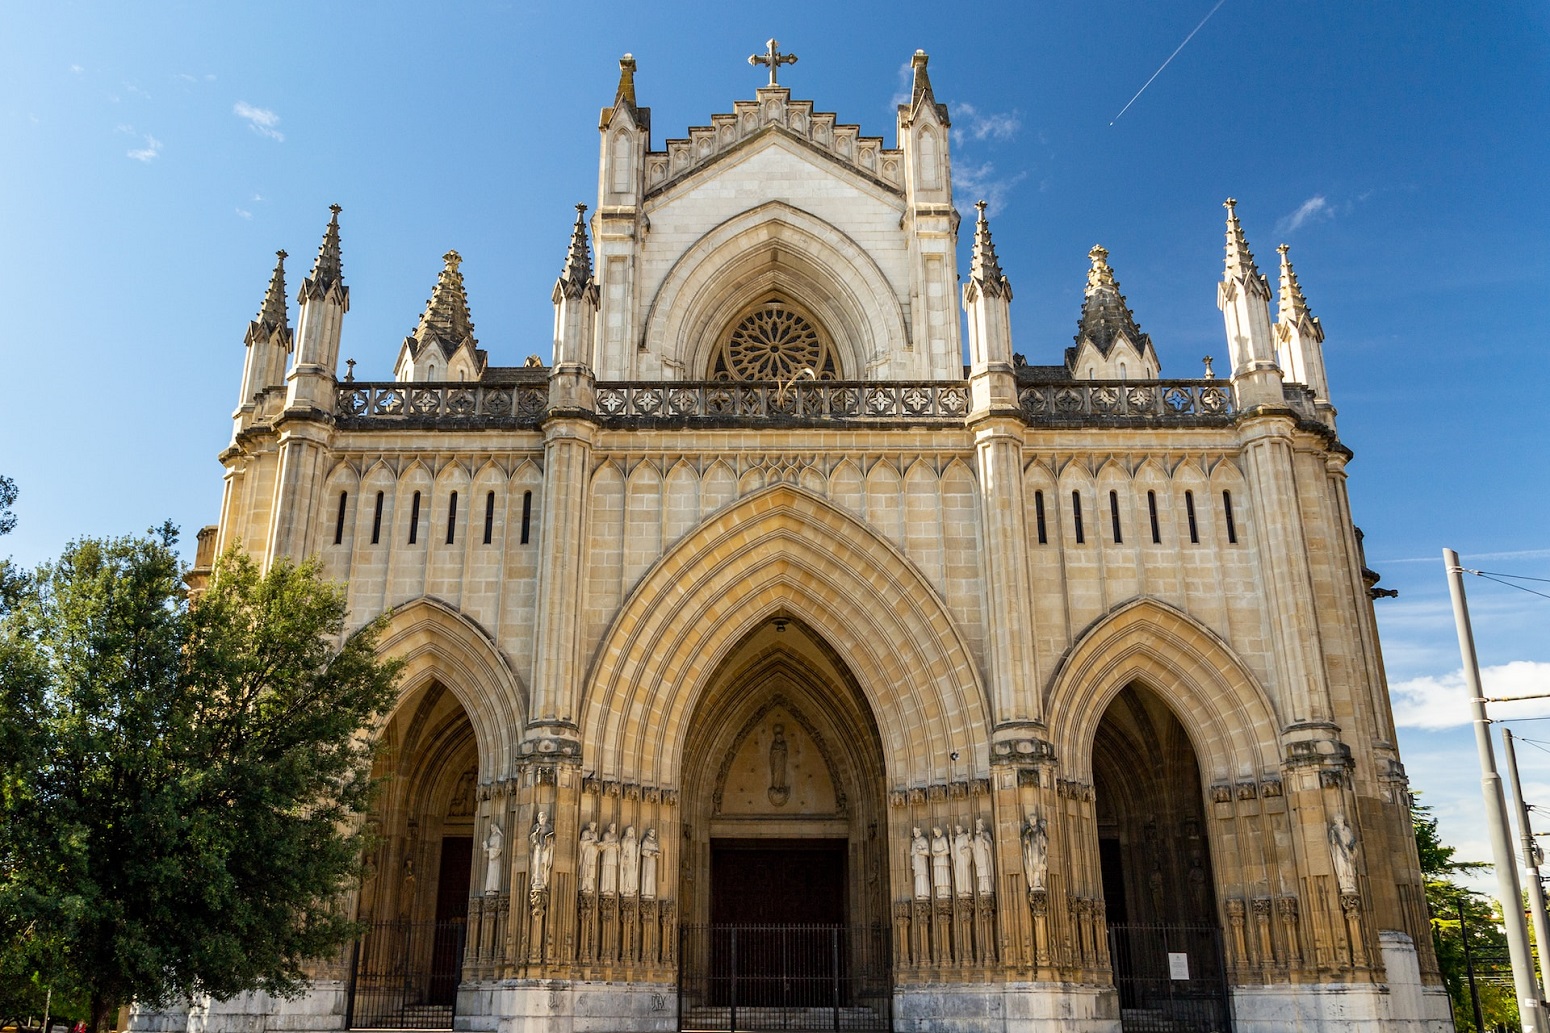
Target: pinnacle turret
x=1105, y=314
x=577, y=274
x=272, y=315
x=327, y=269
x=984, y=268
x=920, y=88
x=446, y=319
x=625, y=94
x=1240, y=260
x=1293, y=307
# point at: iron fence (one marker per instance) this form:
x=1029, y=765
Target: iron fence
x=405, y=975
x=784, y=977
x=1170, y=978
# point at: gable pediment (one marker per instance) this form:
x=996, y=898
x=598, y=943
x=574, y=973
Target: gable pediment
x=775, y=113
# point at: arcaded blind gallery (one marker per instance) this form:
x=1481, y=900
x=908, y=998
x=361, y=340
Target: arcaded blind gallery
x=771, y=667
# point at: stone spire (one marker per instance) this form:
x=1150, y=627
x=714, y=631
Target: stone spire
x=272, y=317
x=327, y=270
x=987, y=302
x=920, y=88
x=1240, y=260
x=984, y=268
x=577, y=274
x=624, y=99
x=1299, y=340
x=1244, y=298
x=446, y=320
x=625, y=94
x=1105, y=314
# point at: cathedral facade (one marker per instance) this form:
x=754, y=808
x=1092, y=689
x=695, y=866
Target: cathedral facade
x=767, y=666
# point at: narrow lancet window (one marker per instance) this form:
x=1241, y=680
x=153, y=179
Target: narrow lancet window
x=1232, y=527
x=1119, y=537
x=376, y=522
x=1038, y=515
x=1189, y=509
x=1076, y=516
x=414, y=519
x=489, y=516
x=527, y=515
x=452, y=519
x=344, y=498
x=1151, y=506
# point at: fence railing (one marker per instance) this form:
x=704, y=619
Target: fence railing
x=386, y=404
x=784, y=977
x=1170, y=978
x=405, y=975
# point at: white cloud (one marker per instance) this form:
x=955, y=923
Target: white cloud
x=261, y=120
x=1441, y=701
x=77, y=69
x=980, y=182
x=971, y=124
x=244, y=213
x=1315, y=207
x=149, y=152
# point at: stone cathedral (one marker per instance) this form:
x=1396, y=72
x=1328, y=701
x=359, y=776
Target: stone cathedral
x=779, y=659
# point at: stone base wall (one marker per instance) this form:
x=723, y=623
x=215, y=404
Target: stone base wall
x=1005, y=1008
x=568, y=1006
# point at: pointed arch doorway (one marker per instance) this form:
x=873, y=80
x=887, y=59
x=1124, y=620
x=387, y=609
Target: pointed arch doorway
x=785, y=877
x=1165, y=943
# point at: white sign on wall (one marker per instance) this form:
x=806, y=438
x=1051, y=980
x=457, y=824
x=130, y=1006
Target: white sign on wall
x=1178, y=966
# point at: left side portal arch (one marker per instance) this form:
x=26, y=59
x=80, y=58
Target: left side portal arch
x=784, y=552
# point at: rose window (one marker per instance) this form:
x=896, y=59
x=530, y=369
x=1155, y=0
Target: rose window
x=774, y=342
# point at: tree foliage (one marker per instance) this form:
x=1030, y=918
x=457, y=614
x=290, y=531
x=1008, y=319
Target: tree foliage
x=8, y=495
x=180, y=781
x=1481, y=924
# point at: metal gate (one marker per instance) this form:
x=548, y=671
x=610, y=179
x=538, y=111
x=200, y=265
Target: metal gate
x=1170, y=978
x=784, y=977
x=404, y=975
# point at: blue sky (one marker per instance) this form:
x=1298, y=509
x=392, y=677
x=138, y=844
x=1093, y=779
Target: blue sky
x=153, y=158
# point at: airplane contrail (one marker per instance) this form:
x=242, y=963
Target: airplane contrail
x=1171, y=56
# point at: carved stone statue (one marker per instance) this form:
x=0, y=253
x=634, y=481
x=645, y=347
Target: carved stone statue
x=542, y=842
x=1342, y=850
x=920, y=863
x=941, y=864
x=1035, y=851
x=629, y=863
x=494, y=846
x=587, y=864
x=984, y=870
x=962, y=852
x=610, y=849
x=650, y=850
x=406, y=888
x=463, y=796
x=780, y=790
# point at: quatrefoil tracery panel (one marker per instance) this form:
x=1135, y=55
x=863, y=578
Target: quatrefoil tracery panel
x=775, y=340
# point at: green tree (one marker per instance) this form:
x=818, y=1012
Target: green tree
x=180, y=782
x=1481, y=923
x=8, y=495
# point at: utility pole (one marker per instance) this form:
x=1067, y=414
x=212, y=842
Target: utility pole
x=1536, y=890
x=1469, y=968
x=1530, y=1003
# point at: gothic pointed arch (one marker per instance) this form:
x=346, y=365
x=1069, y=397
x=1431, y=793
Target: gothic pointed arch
x=441, y=645
x=1230, y=719
x=784, y=552
x=775, y=251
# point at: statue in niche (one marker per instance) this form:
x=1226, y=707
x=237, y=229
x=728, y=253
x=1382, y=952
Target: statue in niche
x=920, y=863
x=780, y=790
x=542, y=840
x=650, y=850
x=963, y=850
x=941, y=864
x=406, y=889
x=494, y=845
x=1154, y=883
x=587, y=875
x=629, y=863
x=1342, y=850
x=610, y=851
x=463, y=796
x=1035, y=850
x=1197, y=886
x=984, y=870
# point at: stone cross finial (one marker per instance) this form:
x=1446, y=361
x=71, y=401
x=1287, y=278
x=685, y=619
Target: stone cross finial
x=773, y=59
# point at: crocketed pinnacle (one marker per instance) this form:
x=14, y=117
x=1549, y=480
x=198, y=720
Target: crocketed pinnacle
x=327, y=271
x=446, y=320
x=272, y=314
x=625, y=94
x=1293, y=307
x=577, y=274
x=1105, y=315
x=984, y=268
x=1240, y=261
